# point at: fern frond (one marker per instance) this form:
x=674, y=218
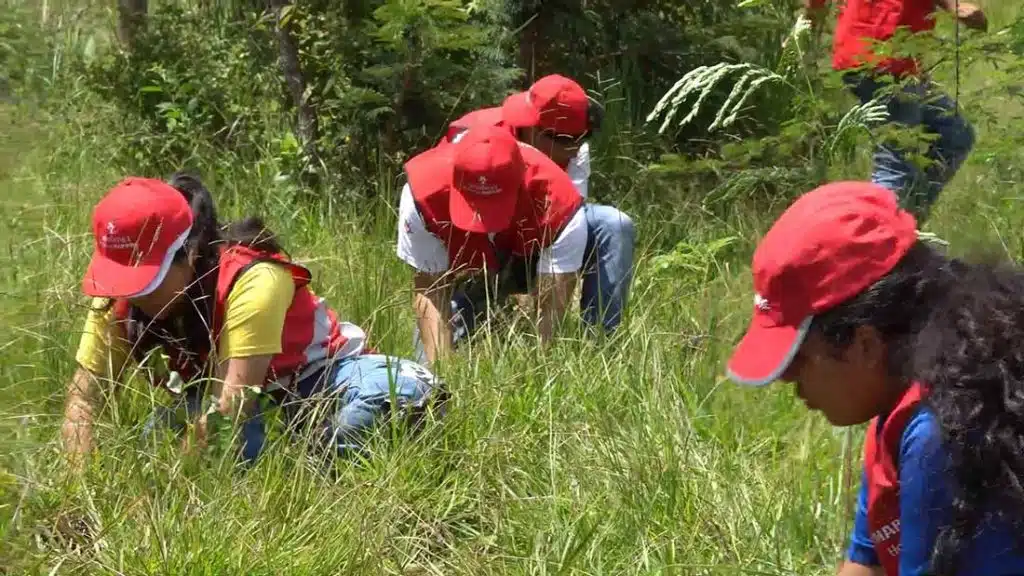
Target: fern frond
x=754, y=85
x=735, y=95
x=701, y=81
x=793, y=49
x=860, y=117
x=679, y=91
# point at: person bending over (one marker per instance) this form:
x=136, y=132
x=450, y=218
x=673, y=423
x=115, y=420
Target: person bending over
x=229, y=311
x=873, y=325
x=476, y=208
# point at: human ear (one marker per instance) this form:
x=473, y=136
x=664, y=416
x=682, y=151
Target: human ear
x=868, y=348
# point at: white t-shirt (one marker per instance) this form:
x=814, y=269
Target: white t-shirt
x=425, y=252
x=579, y=169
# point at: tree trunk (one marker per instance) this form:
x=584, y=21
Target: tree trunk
x=308, y=129
x=131, y=17
x=528, y=38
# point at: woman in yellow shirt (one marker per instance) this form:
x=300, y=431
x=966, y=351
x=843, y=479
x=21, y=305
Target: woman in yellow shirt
x=226, y=310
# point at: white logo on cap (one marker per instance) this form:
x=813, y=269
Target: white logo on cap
x=761, y=303
x=110, y=241
x=483, y=188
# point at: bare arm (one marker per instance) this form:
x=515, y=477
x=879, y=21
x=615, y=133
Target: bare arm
x=76, y=431
x=432, y=302
x=235, y=375
x=970, y=14
x=553, y=294
x=854, y=569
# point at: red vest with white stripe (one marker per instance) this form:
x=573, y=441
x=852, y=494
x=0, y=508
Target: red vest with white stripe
x=881, y=462
x=481, y=117
x=547, y=201
x=312, y=333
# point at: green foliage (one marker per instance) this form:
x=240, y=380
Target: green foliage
x=24, y=49
x=694, y=264
x=191, y=86
x=204, y=85
x=625, y=456
x=386, y=81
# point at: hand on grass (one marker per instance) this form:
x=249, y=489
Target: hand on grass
x=197, y=440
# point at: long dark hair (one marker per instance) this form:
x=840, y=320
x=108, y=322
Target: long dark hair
x=190, y=330
x=959, y=329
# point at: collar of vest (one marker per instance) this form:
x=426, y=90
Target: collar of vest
x=881, y=471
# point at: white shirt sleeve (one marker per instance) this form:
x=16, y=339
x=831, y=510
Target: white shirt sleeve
x=565, y=255
x=579, y=169
x=417, y=247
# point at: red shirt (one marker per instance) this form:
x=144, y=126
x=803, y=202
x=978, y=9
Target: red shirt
x=862, y=22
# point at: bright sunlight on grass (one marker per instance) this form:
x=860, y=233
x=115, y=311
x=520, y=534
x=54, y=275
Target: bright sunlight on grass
x=631, y=455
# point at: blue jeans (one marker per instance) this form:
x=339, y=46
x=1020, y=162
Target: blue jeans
x=607, y=275
x=360, y=392
x=915, y=104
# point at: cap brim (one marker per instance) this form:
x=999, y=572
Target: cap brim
x=105, y=278
x=482, y=214
x=517, y=112
x=766, y=351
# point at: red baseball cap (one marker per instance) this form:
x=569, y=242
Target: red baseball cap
x=487, y=174
x=554, y=103
x=137, y=228
x=831, y=244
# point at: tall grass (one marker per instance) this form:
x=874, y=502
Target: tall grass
x=626, y=456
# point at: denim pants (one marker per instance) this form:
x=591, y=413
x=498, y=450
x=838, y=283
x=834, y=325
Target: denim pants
x=341, y=409
x=917, y=103
x=607, y=275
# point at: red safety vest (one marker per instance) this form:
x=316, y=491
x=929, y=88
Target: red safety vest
x=881, y=463
x=484, y=116
x=312, y=333
x=863, y=21
x=547, y=201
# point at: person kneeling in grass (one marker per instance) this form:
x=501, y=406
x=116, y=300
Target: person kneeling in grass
x=873, y=324
x=485, y=205
x=556, y=117
x=229, y=311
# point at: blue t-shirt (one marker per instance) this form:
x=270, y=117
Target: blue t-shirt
x=925, y=507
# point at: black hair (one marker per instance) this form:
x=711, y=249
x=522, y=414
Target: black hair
x=207, y=233
x=971, y=354
x=897, y=306
x=958, y=328
x=189, y=331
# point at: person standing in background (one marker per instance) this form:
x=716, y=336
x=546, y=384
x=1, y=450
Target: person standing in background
x=915, y=102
